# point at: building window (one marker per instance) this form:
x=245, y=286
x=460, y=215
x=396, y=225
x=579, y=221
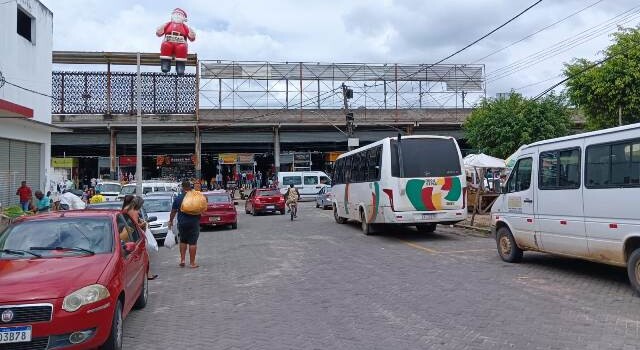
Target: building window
x=25, y=25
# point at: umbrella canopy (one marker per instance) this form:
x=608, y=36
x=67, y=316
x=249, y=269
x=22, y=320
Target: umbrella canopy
x=483, y=161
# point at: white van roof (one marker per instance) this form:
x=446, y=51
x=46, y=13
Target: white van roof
x=585, y=135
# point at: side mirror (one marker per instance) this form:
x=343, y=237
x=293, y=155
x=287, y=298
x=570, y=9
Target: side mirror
x=129, y=247
x=152, y=218
x=235, y=203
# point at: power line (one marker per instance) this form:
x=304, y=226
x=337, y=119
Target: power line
x=538, y=83
x=538, y=31
x=564, y=45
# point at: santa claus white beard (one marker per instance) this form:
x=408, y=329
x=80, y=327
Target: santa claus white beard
x=177, y=18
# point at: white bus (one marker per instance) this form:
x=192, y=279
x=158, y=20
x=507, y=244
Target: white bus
x=414, y=181
x=575, y=196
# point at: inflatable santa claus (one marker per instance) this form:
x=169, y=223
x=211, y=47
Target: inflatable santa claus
x=174, y=45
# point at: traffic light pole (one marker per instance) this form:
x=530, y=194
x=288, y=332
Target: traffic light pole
x=346, y=95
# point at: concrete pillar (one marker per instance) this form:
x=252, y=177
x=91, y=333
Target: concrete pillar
x=409, y=130
x=113, y=166
x=198, y=151
x=276, y=148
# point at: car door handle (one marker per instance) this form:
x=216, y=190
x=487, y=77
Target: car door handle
x=527, y=200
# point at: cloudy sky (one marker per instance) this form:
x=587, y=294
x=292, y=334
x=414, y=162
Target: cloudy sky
x=385, y=31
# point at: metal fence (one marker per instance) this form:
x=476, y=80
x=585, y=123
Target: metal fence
x=115, y=93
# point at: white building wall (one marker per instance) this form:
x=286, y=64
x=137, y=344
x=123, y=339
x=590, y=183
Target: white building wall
x=25, y=63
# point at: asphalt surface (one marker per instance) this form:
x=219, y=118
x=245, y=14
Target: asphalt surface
x=314, y=284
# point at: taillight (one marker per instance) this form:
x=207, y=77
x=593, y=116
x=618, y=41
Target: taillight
x=280, y=199
x=257, y=200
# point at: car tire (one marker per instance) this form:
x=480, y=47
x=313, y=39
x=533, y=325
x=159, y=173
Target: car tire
x=633, y=270
x=282, y=212
x=234, y=226
x=426, y=228
x=367, y=228
x=247, y=211
x=141, y=302
x=507, y=247
x=317, y=205
x=254, y=212
x=340, y=220
x=114, y=342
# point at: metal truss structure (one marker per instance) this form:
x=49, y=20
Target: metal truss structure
x=233, y=85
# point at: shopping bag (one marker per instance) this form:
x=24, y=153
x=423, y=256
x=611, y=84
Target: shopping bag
x=194, y=203
x=152, y=244
x=170, y=239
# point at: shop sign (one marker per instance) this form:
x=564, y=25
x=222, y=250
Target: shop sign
x=64, y=162
x=228, y=158
x=333, y=156
x=245, y=158
x=105, y=162
x=127, y=160
x=182, y=160
x=303, y=157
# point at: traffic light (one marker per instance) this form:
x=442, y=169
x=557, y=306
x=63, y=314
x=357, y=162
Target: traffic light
x=349, y=117
x=349, y=93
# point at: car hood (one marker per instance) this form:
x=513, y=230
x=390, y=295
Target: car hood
x=48, y=278
x=162, y=216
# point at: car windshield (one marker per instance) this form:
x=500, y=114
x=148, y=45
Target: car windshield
x=57, y=237
x=128, y=190
x=218, y=198
x=106, y=205
x=156, y=205
x=268, y=193
x=110, y=188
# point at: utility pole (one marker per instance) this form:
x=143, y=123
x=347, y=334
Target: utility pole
x=347, y=94
x=139, y=132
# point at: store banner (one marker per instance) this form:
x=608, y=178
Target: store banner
x=228, y=158
x=245, y=158
x=64, y=162
x=127, y=160
x=182, y=160
x=332, y=156
x=303, y=157
x=105, y=162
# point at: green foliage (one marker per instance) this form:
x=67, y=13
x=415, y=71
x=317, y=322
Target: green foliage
x=498, y=127
x=600, y=91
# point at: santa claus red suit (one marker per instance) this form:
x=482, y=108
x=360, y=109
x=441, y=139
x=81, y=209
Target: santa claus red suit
x=174, y=45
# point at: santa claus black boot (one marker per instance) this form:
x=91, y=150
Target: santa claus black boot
x=165, y=65
x=180, y=67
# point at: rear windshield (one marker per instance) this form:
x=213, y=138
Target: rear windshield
x=426, y=158
x=218, y=198
x=288, y=180
x=157, y=205
x=113, y=188
x=128, y=190
x=269, y=193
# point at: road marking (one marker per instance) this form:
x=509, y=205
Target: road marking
x=434, y=251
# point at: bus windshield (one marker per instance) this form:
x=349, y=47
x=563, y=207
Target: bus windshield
x=426, y=158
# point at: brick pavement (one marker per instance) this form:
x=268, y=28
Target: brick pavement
x=313, y=284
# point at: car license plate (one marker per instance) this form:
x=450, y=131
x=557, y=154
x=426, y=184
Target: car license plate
x=15, y=334
x=214, y=218
x=271, y=207
x=428, y=216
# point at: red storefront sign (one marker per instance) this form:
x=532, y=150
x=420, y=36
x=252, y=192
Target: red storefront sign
x=127, y=160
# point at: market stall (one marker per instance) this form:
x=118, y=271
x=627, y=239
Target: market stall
x=482, y=190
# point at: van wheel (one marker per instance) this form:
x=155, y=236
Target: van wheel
x=633, y=270
x=426, y=228
x=507, y=247
x=340, y=220
x=367, y=228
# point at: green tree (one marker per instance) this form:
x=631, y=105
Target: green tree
x=498, y=127
x=600, y=92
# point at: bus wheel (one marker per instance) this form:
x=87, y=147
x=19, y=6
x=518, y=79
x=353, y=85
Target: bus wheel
x=367, y=228
x=337, y=217
x=426, y=228
x=633, y=270
x=507, y=248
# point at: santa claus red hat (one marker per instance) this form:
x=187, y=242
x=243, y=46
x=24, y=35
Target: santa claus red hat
x=180, y=11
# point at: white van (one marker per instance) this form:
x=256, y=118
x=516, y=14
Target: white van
x=148, y=187
x=109, y=189
x=308, y=183
x=575, y=196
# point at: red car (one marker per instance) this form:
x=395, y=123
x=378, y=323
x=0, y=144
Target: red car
x=221, y=210
x=264, y=200
x=68, y=280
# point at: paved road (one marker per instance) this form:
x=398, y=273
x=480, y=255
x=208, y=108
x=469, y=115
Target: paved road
x=313, y=284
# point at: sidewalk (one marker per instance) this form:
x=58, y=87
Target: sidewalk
x=482, y=223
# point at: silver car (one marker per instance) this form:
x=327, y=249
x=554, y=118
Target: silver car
x=324, y=197
x=160, y=207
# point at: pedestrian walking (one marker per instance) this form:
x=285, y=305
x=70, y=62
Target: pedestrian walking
x=188, y=228
x=24, y=192
x=131, y=206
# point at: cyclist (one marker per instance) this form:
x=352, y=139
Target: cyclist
x=292, y=196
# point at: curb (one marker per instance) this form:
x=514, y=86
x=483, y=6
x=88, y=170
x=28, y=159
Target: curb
x=485, y=231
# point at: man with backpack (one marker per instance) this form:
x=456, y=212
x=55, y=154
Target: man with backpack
x=188, y=226
x=292, y=197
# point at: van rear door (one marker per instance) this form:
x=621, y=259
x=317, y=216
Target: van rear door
x=310, y=184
